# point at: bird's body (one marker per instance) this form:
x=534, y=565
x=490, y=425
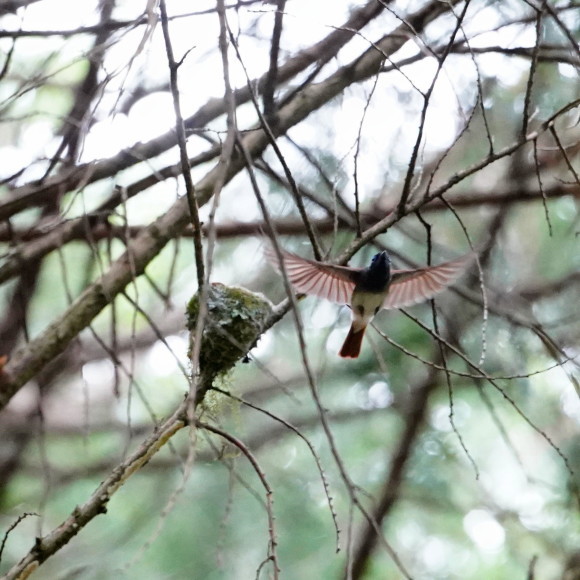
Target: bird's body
x=367, y=290
x=371, y=287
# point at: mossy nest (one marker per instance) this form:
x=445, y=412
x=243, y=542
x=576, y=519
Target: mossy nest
x=234, y=321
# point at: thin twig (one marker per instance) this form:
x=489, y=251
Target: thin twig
x=182, y=143
x=272, y=548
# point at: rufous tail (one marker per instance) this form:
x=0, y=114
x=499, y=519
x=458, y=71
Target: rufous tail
x=352, y=343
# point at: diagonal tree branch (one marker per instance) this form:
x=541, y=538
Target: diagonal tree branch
x=31, y=358
x=413, y=419
x=33, y=194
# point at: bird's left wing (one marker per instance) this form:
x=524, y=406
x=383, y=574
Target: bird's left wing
x=410, y=287
x=334, y=283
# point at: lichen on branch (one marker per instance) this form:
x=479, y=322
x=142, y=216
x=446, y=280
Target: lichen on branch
x=234, y=322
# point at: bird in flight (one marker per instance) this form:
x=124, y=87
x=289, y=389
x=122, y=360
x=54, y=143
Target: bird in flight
x=368, y=290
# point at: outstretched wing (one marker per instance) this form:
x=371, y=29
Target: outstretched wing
x=413, y=286
x=334, y=283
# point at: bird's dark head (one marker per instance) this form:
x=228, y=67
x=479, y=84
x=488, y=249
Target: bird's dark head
x=378, y=274
x=380, y=260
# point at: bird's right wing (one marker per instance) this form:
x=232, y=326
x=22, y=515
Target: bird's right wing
x=410, y=287
x=334, y=283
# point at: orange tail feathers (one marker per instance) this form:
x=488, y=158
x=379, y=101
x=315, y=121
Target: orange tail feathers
x=352, y=343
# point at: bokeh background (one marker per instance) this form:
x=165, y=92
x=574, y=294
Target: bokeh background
x=451, y=447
